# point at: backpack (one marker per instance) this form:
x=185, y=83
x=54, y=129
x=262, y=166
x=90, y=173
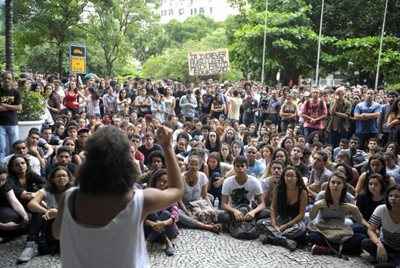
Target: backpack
x=244, y=230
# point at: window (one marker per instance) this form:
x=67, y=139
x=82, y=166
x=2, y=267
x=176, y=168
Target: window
x=211, y=10
x=181, y=11
x=171, y=12
x=201, y=10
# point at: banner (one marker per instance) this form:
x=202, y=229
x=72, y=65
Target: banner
x=208, y=62
x=77, y=59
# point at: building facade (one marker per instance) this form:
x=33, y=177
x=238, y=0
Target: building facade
x=180, y=10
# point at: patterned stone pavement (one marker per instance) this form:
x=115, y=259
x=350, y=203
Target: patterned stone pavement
x=204, y=249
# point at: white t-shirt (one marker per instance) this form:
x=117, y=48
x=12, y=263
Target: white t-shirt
x=193, y=193
x=390, y=231
x=241, y=194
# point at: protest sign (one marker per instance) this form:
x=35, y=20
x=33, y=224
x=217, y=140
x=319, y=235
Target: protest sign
x=208, y=62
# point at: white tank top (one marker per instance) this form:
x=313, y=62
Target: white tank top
x=120, y=243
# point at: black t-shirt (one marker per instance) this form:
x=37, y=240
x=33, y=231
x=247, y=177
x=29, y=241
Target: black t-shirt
x=367, y=205
x=3, y=194
x=11, y=97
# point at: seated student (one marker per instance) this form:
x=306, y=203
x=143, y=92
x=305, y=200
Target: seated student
x=242, y=190
x=195, y=191
x=319, y=173
x=287, y=212
x=392, y=168
x=331, y=212
x=255, y=167
x=268, y=184
x=13, y=216
x=386, y=221
x=376, y=164
x=296, y=160
x=156, y=162
x=216, y=171
x=161, y=226
x=63, y=158
x=44, y=208
x=372, y=196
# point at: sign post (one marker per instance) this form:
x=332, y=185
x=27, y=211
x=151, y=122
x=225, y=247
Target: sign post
x=208, y=63
x=77, y=59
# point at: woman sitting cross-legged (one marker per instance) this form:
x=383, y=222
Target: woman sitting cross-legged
x=44, y=208
x=329, y=232
x=13, y=217
x=196, y=210
x=286, y=226
x=161, y=226
x=386, y=221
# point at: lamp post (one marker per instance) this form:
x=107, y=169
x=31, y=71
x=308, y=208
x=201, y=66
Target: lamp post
x=265, y=43
x=319, y=43
x=380, y=46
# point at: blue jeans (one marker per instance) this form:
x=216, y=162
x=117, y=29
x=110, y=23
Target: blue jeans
x=8, y=135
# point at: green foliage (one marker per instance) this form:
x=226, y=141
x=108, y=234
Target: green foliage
x=173, y=62
x=32, y=106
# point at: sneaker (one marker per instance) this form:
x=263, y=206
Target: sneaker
x=320, y=250
x=28, y=253
x=169, y=250
x=266, y=240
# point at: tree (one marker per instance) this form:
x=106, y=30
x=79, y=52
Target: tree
x=110, y=26
x=9, y=34
x=49, y=21
x=290, y=44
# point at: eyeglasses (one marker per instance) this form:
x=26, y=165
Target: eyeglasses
x=240, y=165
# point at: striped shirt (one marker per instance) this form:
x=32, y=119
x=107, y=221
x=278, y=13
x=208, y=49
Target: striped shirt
x=390, y=231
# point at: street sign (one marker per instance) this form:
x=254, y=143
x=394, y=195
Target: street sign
x=77, y=59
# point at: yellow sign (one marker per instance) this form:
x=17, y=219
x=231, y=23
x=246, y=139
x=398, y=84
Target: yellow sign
x=77, y=65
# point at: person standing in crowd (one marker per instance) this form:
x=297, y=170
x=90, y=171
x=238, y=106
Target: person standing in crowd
x=339, y=120
x=90, y=217
x=10, y=104
x=366, y=115
x=314, y=112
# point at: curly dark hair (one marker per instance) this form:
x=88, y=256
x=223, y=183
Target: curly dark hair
x=51, y=187
x=156, y=175
x=108, y=167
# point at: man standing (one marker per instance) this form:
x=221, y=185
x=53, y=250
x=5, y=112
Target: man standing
x=366, y=114
x=339, y=123
x=10, y=103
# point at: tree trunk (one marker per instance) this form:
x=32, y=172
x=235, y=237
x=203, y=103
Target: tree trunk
x=9, y=35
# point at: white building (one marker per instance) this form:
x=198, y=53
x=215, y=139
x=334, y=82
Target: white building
x=180, y=10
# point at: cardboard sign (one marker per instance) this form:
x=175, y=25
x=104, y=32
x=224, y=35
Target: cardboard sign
x=208, y=63
x=77, y=59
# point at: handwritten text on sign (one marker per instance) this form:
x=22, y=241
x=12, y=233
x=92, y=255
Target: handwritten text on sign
x=208, y=63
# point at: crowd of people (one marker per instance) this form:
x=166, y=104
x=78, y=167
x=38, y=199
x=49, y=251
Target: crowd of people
x=298, y=167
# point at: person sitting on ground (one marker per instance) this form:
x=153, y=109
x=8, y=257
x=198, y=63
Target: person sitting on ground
x=242, y=190
x=195, y=195
x=156, y=162
x=13, y=217
x=20, y=147
x=90, y=217
x=376, y=164
x=63, y=158
x=319, y=173
x=269, y=184
x=161, y=226
x=286, y=227
x=372, y=196
x=384, y=231
x=44, y=208
x=255, y=167
x=331, y=212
